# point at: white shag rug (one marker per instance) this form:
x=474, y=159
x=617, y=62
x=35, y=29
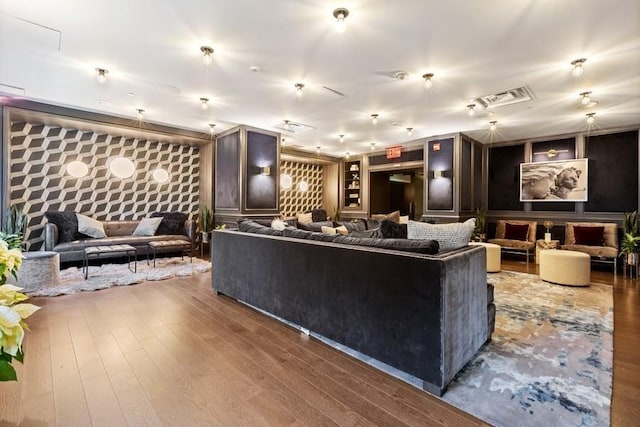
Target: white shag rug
x=107, y=275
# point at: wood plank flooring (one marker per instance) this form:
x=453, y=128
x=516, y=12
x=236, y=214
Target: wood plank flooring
x=172, y=353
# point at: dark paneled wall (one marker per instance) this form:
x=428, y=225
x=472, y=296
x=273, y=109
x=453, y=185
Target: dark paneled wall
x=38, y=179
x=440, y=190
x=613, y=172
x=261, y=191
x=504, y=181
x=227, y=172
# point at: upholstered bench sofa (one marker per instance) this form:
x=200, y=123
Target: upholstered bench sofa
x=425, y=314
x=62, y=234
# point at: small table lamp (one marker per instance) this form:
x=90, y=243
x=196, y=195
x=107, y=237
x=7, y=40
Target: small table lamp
x=548, y=224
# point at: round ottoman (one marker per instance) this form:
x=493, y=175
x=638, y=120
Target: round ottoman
x=493, y=255
x=565, y=267
x=39, y=269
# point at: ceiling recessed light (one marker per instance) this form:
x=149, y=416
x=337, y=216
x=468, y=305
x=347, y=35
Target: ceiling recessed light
x=255, y=68
x=103, y=102
x=131, y=94
x=401, y=75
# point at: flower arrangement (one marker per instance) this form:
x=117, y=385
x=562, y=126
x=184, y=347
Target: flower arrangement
x=12, y=313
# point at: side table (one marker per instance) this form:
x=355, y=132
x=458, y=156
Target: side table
x=544, y=244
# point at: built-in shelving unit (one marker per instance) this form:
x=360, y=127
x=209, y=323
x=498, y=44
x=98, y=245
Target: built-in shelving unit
x=352, y=184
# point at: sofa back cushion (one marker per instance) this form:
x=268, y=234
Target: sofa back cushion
x=119, y=228
x=315, y=226
x=449, y=236
x=418, y=246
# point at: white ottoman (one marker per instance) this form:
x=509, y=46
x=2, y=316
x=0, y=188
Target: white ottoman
x=565, y=267
x=493, y=255
x=39, y=269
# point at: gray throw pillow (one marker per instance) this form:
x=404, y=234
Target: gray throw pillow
x=91, y=227
x=147, y=227
x=449, y=236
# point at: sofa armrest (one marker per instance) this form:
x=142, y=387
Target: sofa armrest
x=50, y=236
x=190, y=229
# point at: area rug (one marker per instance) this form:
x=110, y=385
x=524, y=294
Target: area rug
x=550, y=359
x=108, y=275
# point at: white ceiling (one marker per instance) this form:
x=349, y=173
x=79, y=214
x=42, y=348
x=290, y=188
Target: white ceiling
x=152, y=50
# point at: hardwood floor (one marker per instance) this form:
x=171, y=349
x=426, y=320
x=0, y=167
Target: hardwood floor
x=172, y=353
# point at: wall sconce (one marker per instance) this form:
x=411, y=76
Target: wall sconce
x=122, y=167
x=438, y=173
x=77, y=169
x=340, y=14
x=265, y=170
x=160, y=176
x=207, y=54
x=102, y=75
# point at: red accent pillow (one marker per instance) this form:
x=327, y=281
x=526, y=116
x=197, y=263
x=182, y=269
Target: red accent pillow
x=516, y=231
x=589, y=236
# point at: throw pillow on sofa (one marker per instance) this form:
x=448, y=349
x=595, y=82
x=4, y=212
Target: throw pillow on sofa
x=393, y=216
x=67, y=224
x=172, y=222
x=449, y=236
x=147, y=227
x=304, y=218
x=91, y=227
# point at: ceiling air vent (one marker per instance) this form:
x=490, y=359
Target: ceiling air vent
x=508, y=97
x=293, y=127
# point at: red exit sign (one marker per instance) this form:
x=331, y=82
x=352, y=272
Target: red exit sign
x=394, y=152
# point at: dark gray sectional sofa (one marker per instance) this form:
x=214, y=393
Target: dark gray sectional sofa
x=421, y=312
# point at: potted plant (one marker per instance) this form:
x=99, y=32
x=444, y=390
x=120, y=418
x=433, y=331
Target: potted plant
x=14, y=227
x=479, y=233
x=630, y=246
x=205, y=219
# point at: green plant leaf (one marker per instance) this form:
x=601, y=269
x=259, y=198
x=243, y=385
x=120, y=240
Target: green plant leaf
x=7, y=372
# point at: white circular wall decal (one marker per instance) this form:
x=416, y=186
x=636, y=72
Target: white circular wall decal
x=303, y=186
x=122, y=167
x=285, y=181
x=77, y=169
x=160, y=175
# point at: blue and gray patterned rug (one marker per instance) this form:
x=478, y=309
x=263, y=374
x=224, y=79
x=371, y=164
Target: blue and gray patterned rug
x=550, y=359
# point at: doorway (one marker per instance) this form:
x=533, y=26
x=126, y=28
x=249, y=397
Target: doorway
x=397, y=190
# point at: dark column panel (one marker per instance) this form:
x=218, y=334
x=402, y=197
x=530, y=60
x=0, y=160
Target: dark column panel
x=261, y=171
x=228, y=171
x=504, y=181
x=440, y=167
x=613, y=172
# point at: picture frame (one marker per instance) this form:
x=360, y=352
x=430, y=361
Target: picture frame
x=554, y=181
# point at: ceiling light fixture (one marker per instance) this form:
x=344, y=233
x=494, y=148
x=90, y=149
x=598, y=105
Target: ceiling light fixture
x=341, y=138
x=492, y=125
x=427, y=80
x=204, y=103
x=299, y=87
x=102, y=75
x=287, y=126
x=207, y=54
x=591, y=118
x=282, y=141
x=409, y=131
x=577, y=66
x=347, y=154
x=318, y=149
x=140, y=113
x=374, y=119
x=373, y=146
x=340, y=14
x=212, y=128
x=471, y=109
x=586, y=99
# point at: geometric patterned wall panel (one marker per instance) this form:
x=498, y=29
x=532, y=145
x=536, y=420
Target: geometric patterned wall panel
x=38, y=179
x=293, y=200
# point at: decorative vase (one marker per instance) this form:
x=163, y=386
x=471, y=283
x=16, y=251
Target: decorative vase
x=632, y=258
x=205, y=236
x=547, y=237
